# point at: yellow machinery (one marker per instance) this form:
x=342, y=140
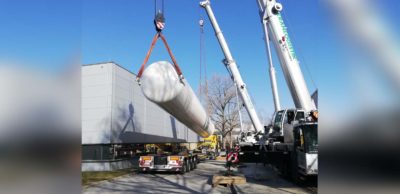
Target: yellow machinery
x=210, y=142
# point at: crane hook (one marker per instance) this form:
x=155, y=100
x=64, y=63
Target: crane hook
x=159, y=21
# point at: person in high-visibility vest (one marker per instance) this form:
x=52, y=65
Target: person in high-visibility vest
x=232, y=158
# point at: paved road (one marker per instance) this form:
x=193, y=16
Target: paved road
x=259, y=180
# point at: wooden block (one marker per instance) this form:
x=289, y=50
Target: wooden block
x=220, y=158
x=228, y=180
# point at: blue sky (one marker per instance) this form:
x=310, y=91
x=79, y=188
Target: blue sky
x=121, y=31
x=41, y=33
x=48, y=33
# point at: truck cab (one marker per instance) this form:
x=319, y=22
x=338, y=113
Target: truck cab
x=291, y=130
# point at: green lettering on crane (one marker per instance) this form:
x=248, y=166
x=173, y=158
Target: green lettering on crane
x=289, y=42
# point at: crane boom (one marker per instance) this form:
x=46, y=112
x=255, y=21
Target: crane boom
x=273, y=24
x=232, y=68
x=272, y=72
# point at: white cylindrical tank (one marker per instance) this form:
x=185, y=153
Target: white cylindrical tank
x=161, y=84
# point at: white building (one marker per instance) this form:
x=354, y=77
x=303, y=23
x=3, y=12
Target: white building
x=115, y=112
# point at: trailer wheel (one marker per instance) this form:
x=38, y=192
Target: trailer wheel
x=183, y=169
x=195, y=163
x=187, y=166
x=192, y=164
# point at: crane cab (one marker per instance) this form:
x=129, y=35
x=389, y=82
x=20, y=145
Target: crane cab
x=292, y=130
x=283, y=122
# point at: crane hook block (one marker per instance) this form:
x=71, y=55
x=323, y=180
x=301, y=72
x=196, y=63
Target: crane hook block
x=201, y=22
x=159, y=21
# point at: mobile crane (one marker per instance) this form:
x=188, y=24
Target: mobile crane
x=292, y=137
x=293, y=130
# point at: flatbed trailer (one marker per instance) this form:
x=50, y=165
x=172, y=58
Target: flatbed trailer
x=168, y=157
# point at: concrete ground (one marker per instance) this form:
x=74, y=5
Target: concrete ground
x=260, y=179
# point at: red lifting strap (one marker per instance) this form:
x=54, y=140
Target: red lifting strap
x=153, y=43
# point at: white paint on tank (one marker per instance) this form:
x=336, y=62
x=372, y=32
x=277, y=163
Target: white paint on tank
x=161, y=84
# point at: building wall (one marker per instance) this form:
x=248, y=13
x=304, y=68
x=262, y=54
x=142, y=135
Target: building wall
x=114, y=110
x=107, y=165
x=96, y=103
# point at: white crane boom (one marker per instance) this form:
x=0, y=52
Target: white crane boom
x=232, y=68
x=272, y=72
x=273, y=24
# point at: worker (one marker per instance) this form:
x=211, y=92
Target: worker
x=314, y=115
x=262, y=142
x=232, y=158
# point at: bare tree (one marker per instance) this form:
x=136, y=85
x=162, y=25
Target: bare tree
x=221, y=99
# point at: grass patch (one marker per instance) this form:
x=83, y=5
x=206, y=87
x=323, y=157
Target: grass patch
x=91, y=177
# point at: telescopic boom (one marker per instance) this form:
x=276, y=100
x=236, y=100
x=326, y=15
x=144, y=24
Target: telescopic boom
x=232, y=68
